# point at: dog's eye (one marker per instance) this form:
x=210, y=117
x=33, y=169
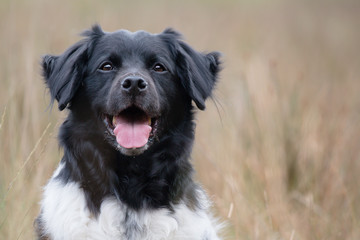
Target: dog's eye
x=159, y=68
x=106, y=67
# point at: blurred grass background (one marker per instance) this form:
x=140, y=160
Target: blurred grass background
x=278, y=152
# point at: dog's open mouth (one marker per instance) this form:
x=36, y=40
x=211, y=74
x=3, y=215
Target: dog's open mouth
x=132, y=127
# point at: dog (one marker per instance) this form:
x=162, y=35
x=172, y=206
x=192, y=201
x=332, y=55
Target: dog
x=127, y=139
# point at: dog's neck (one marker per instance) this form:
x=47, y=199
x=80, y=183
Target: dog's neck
x=140, y=181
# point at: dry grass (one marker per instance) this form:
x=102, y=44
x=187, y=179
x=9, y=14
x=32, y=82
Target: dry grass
x=279, y=151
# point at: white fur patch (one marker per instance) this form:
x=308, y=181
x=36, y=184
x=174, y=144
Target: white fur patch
x=65, y=217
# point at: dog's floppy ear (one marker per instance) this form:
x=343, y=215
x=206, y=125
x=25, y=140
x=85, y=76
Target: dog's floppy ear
x=197, y=71
x=63, y=74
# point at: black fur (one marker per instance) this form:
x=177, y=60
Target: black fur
x=159, y=175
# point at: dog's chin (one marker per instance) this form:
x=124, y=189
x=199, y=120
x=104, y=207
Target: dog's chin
x=132, y=151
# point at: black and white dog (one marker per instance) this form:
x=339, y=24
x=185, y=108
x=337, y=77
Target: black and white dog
x=127, y=139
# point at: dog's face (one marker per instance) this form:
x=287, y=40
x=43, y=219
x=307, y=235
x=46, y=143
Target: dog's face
x=131, y=88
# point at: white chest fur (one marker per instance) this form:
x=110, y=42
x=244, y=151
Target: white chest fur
x=65, y=217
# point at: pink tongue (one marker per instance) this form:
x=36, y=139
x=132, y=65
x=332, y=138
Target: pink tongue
x=132, y=133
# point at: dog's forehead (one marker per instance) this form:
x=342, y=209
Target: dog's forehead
x=133, y=35
x=126, y=46
x=131, y=39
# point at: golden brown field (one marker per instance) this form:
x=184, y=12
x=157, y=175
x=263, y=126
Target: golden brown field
x=279, y=147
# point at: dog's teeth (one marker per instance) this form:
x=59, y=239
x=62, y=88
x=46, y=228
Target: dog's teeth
x=114, y=121
x=149, y=121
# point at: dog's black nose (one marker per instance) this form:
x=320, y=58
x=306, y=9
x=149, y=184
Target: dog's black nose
x=134, y=84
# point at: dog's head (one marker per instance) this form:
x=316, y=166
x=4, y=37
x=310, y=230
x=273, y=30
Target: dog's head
x=131, y=87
